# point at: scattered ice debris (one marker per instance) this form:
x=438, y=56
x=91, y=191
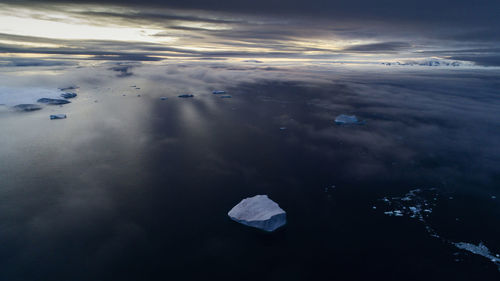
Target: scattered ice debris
x=260, y=212
x=68, y=95
x=218, y=92
x=53, y=101
x=416, y=205
x=481, y=250
x=413, y=204
x=185, y=96
x=57, y=116
x=163, y=98
x=343, y=119
x=27, y=107
x=226, y=97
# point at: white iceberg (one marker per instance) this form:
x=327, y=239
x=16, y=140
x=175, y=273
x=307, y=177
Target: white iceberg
x=57, y=116
x=260, y=212
x=346, y=119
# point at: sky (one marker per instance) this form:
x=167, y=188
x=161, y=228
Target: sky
x=453, y=33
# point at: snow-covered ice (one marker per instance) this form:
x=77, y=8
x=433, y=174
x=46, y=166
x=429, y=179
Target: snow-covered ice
x=343, y=119
x=27, y=107
x=68, y=95
x=260, y=212
x=481, y=250
x=53, y=101
x=57, y=116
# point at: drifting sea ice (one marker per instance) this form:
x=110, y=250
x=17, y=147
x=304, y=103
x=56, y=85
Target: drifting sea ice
x=259, y=212
x=57, y=116
x=68, y=95
x=52, y=101
x=343, y=119
x=27, y=107
x=481, y=250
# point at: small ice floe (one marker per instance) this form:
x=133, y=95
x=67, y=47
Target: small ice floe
x=493, y=197
x=52, y=101
x=481, y=250
x=185, y=96
x=282, y=128
x=27, y=107
x=343, y=119
x=57, y=116
x=218, y=92
x=226, y=97
x=259, y=212
x=68, y=95
x=69, y=88
x=163, y=98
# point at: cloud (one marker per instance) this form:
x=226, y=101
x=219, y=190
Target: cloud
x=27, y=62
x=384, y=47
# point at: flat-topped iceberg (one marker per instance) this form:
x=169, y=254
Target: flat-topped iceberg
x=27, y=107
x=57, y=116
x=343, y=119
x=260, y=212
x=68, y=95
x=53, y=101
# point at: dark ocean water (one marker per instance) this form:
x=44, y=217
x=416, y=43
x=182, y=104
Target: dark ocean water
x=138, y=188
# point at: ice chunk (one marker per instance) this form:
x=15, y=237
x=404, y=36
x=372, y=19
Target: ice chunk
x=185, y=96
x=69, y=88
x=27, y=107
x=226, y=97
x=57, y=116
x=163, y=98
x=218, y=92
x=53, y=101
x=480, y=249
x=68, y=95
x=260, y=212
x=343, y=119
